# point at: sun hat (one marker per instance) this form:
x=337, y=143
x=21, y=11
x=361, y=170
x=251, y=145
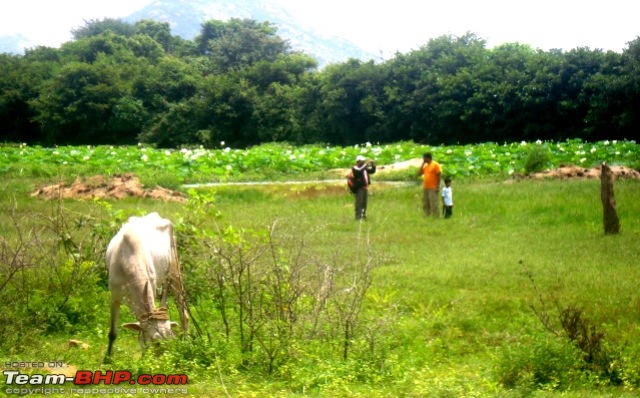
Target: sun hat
x=360, y=158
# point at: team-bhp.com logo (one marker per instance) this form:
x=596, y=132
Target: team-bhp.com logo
x=85, y=382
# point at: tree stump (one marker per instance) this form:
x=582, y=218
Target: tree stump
x=610, y=214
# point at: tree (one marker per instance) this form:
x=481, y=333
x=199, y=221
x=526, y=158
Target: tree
x=630, y=116
x=158, y=31
x=239, y=43
x=20, y=81
x=95, y=27
x=178, y=125
x=430, y=89
x=88, y=101
x=350, y=95
x=278, y=114
x=14, y=96
x=221, y=110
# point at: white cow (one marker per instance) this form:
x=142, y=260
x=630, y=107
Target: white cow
x=142, y=259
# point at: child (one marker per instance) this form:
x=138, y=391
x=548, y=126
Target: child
x=447, y=198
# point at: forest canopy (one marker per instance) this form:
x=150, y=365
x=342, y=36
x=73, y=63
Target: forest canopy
x=118, y=83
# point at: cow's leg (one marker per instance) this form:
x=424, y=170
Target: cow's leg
x=113, y=327
x=163, y=298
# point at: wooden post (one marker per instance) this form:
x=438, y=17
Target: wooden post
x=610, y=214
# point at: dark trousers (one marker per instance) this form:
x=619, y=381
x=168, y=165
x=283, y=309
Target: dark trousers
x=447, y=211
x=361, y=203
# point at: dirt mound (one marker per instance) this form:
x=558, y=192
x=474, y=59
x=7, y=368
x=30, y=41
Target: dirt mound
x=119, y=187
x=571, y=172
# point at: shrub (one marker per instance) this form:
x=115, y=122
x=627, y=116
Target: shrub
x=537, y=159
x=543, y=363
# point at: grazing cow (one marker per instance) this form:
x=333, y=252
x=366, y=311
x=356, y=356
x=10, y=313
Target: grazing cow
x=142, y=259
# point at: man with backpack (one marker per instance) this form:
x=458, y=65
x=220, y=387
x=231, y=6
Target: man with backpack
x=359, y=184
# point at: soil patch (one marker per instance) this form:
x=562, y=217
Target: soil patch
x=118, y=187
x=573, y=172
x=128, y=185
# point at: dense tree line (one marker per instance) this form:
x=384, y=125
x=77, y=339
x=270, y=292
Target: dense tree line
x=239, y=82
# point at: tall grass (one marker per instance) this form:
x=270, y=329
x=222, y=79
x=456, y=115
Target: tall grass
x=459, y=288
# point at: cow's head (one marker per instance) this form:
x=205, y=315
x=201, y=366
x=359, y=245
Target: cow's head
x=153, y=326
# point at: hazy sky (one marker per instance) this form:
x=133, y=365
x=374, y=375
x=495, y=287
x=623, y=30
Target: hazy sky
x=387, y=26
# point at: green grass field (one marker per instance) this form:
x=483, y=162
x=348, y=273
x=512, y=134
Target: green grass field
x=455, y=308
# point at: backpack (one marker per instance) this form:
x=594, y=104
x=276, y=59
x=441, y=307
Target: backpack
x=351, y=183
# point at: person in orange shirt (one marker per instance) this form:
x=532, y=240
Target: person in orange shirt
x=430, y=172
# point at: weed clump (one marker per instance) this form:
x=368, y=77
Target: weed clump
x=537, y=159
x=579, y=333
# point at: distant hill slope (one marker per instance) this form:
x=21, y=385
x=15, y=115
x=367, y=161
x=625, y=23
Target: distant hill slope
x=186, y=16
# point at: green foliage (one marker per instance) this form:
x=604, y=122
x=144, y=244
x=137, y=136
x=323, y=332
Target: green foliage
x=271, y=295
x=539, y=363
x=50, y=272
x=94, y=27
x=239, y=43
x=282, y=161
x=119, y=83
x=447, y=313
x=537, y=159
